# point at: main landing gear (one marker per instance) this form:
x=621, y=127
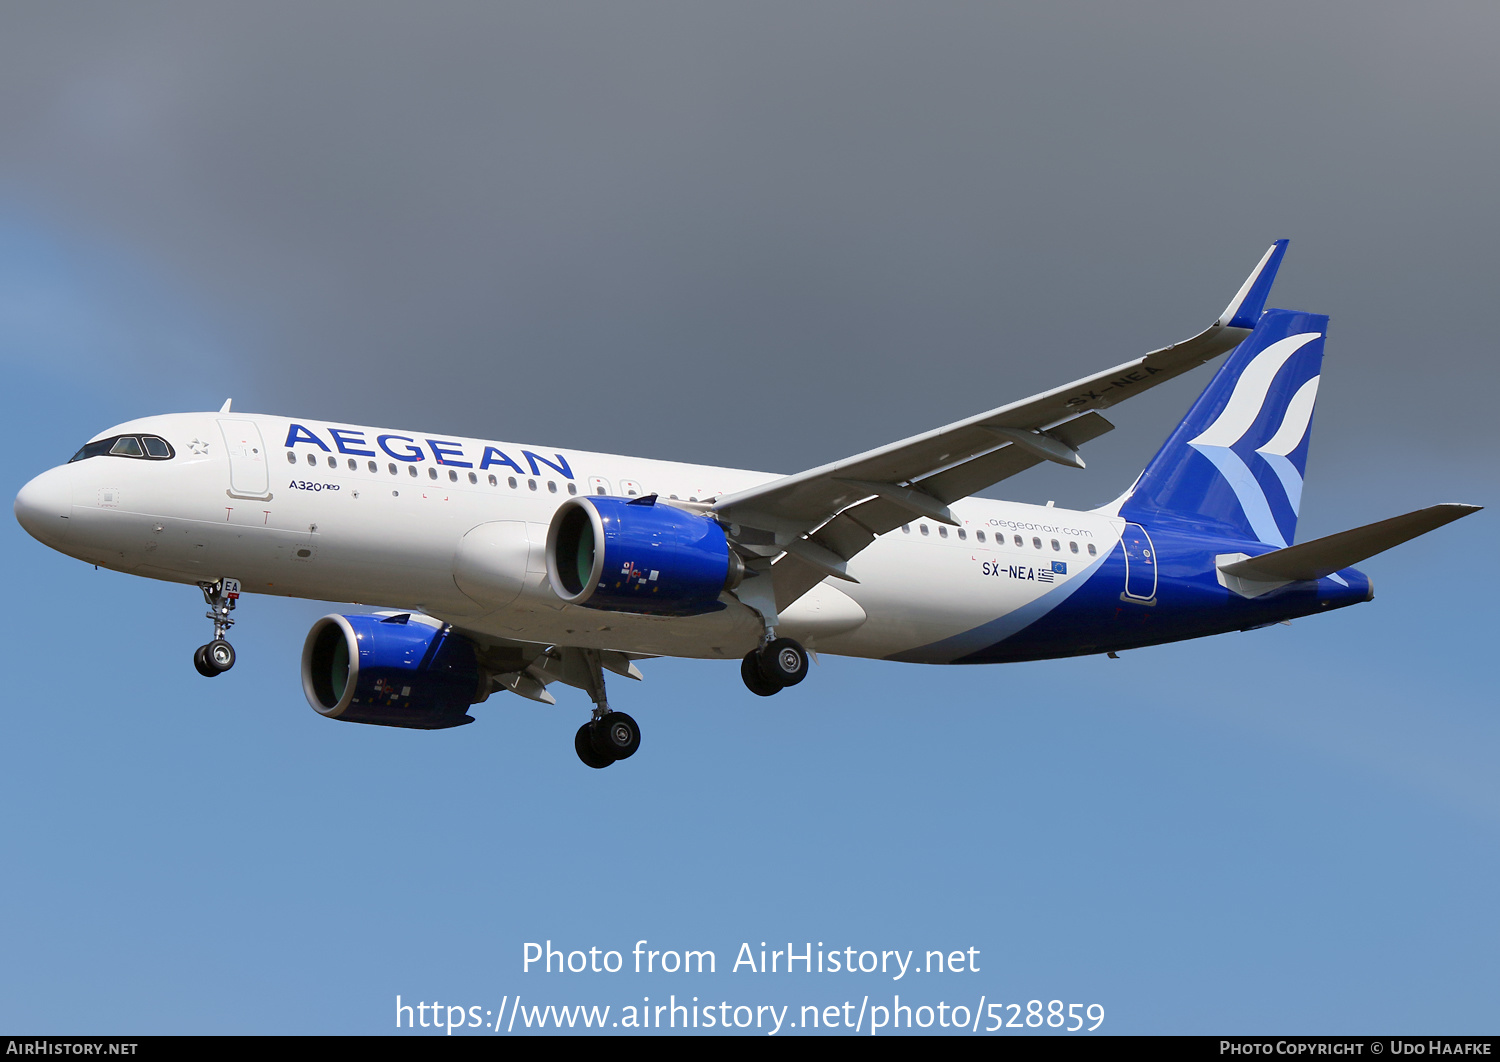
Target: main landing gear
x=607, y=738
x=217, y=656
x=609, y=735
x=770, y=669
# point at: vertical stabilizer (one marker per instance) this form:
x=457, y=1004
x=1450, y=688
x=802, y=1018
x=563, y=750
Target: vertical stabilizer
x=1235, y=464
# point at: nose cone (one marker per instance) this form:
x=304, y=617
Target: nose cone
x=45, y=504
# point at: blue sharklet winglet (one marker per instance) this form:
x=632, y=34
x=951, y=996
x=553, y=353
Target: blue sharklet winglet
x=1247, y=306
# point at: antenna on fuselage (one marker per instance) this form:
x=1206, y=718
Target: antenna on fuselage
x=225, y=407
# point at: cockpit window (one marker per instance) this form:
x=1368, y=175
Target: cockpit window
x=146, y=447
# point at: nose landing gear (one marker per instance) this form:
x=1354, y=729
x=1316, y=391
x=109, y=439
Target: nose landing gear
x=217, y=656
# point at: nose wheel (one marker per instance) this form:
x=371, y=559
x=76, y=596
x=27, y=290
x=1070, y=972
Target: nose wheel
x=217, y=656
x=213, y=659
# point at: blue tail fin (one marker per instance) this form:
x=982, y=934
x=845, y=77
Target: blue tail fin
x=1234, y=466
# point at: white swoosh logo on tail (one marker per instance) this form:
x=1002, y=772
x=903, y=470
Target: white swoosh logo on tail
x=1236, y=418
x=1288, y=437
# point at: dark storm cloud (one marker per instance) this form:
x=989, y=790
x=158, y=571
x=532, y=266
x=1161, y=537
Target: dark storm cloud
x=766, y=235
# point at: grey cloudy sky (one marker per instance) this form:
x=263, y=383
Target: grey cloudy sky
x=763, y=235
x=766, y=235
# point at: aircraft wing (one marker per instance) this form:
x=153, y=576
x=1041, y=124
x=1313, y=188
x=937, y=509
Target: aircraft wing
x=528, y=668
x=815, y=521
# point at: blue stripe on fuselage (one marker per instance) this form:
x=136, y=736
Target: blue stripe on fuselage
x=1090, y=614
x=949, y=650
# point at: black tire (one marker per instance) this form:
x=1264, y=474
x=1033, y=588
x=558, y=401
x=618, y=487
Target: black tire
x=202, y=664
x=784, y=662
x=756, y=682
x=219, y=655
x=616, y=736
x=583, y=744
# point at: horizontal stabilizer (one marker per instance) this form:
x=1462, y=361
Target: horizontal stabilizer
x=1324, y=556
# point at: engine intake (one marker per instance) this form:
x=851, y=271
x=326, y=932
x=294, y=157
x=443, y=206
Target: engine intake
x=390, y=671
x=633, y=555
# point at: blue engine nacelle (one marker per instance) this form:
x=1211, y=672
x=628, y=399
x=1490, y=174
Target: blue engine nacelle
x=633, y=555
x=390, y=671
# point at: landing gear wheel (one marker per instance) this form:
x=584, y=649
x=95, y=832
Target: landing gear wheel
x=616, y=736
x=783, y=662
x=201, y=664
x=755, y=681
x=583, y=744
x=609, y=735
x=219, y=655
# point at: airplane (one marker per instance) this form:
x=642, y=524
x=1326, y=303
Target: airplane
x=508, y=567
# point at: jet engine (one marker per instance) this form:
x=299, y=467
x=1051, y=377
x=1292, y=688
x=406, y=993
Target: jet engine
x=635, y=555
x=395, y=670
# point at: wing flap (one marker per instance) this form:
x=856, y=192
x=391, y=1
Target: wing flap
x=964, y=479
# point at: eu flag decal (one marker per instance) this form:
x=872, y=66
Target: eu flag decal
x=1060, y=567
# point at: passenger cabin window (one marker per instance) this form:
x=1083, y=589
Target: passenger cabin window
x=979, y=535
x=572, y=488
x=1036, y=543
x=493, y=481
x=942, y=531
x=962, y=534
x=374, y=467
x=353, y=465
x=1019, y=542
x=312, y=459
x=1092, y=550
x=473, y=478
x=333, y=462
x=1072, y=546
x=432, y=473
x=923, y=529
x=1055, y=547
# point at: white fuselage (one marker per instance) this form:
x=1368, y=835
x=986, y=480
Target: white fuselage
x=457, y=528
